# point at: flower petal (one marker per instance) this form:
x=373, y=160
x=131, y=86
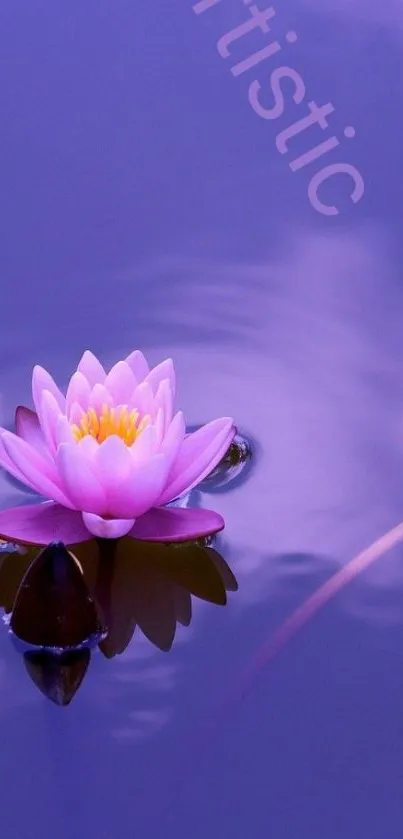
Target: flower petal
x=89, y=445
x=99, y=397
x=76, y=414
x=142, y=399
x=198, y=456
x=39, y=524
x=91, y=368
x=39, y=474
x=174, y=438
x=138, y=365
x=121, y=382
x=173, y=524
x=142, y=488
x=112, y=465
x=49, y=415
x=162, y=371
x=107, y=528
x=42, y=380
x=164, y=400
x=78, y=391
x=145, y=445
x=64, y=432
x=28, y=427
x=79, y=479
x=7, y=464
x=159, y=425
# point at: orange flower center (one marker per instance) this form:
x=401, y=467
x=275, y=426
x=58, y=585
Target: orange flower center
x=120, y=421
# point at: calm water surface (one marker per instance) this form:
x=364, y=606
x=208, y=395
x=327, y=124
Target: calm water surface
x=144, y=203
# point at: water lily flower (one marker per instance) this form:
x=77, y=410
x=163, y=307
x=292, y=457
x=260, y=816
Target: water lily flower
x=109, y=455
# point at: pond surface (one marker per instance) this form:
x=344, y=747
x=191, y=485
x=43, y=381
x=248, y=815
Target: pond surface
x=146, y=203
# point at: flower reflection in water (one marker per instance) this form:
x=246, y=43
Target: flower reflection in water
x=62, y=604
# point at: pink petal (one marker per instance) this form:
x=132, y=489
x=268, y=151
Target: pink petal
x=7, y=464
x=112, y=466
x=121, y=382
x=164, y=400
x=89, y=445
x=138, y=365
x=159, y=425
x=199, y=455
x=142, y=399
x=91, y=368
x=174, y=524
x=38, y=473
x=206, y=433
x=49, y=414
x=99, y=397
x=79, y=479
x=76, y=414
x=107, y=528
x=39, y=524
x=77, y=391
x=28, y=427
x=42, y=380
x=162, y=371
x=173, y=439
x=64, y=433
x=142, y=488
x=145, y=446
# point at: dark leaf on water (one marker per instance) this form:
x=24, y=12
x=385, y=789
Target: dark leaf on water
x=53, y=606
x=58, y=677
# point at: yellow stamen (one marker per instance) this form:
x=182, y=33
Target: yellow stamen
x=110, y=421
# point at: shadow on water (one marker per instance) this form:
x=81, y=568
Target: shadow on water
x=65, y=604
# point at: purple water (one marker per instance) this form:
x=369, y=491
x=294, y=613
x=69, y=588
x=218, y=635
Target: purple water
x=145, y=202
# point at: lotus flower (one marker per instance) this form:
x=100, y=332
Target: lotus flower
x=109, y=455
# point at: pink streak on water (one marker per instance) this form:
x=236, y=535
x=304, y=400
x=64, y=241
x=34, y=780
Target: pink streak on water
x=276, y=643
x=309, y=608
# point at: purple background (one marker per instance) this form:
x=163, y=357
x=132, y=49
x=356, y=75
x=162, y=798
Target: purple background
x=144, y=203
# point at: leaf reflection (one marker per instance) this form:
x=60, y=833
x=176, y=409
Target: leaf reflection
x=106, y=590
x=53, y=607
x=150, y=586
x=57, y=677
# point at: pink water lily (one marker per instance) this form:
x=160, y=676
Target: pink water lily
x=109, y=454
